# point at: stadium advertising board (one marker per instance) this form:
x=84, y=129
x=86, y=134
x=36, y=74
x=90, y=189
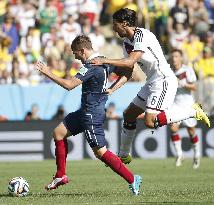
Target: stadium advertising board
x=33, y=141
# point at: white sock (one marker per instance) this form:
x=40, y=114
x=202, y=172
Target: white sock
x=178, y=149
x=177, y=113
x=126, y=141
x=196, y=149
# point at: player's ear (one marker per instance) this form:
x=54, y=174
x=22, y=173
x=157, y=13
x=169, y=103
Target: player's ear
x=82, y=50
x=125, y=24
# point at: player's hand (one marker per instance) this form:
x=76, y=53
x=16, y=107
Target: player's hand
x=98, y=61
x=109, y=91
x=41, y=67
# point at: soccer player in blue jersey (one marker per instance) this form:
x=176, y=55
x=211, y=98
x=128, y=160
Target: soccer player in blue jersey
x=90, y=117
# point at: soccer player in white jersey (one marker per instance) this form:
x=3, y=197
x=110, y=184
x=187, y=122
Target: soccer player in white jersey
x=156, y=97
x=184, y=98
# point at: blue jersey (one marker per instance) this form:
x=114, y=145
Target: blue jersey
x=90, y=117
x=94, y=80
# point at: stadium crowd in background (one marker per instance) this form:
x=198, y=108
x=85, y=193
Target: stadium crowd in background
x=43, y=30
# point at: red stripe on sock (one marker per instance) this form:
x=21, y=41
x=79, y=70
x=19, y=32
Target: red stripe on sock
x=117, y=166
x=61, y=155
x=194, y=139
x=175, y=138
x=162, y=119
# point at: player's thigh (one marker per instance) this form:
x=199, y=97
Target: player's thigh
x=191, y=131
x=73, y=122
x=191, y=122
x=93, y=129
x=162, y=95
x=132, y=112
x=138, y=104
x=174, y=127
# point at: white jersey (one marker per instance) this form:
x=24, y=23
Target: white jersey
x=152, y=62
x=185, y=75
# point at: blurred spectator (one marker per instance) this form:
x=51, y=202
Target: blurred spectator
x=161, y=11
x=59, y=8
x=209, y=40
x=33, y=114
x=209, y=4
x=31, y=44
x=47, y=17
x=178, y=14
x=192, y=48
x=97, y=39
x=90, y=9
x=26, y=17
x=72, y=8
x=31, y=30
x=85, y=23
x=5, y=56
x=114, y=5
x=111, y=111
x=205, y=65
x=3, y=4
x=52, y=36
x=51, y=50
x=3, y=118
x=5, y=77
x=70, y=29
x=60, y=68
x=10, y=30
x=178, y=36
x=60, y=113
x=198, y=17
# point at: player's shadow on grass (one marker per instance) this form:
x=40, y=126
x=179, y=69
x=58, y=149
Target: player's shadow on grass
x=48, y=194
x=5, y=195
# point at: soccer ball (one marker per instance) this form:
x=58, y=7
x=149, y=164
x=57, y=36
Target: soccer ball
x=18, y=186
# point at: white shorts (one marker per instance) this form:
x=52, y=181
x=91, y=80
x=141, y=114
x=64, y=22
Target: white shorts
x=191, y=122
x=185, y=101
x=158, y=96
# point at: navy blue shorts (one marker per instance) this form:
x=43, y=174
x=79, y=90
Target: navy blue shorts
x=89, y=123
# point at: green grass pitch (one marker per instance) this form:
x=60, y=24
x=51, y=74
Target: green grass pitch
x=93, y=183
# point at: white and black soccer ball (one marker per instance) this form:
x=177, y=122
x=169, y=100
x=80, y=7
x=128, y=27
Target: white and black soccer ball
x=18, y=186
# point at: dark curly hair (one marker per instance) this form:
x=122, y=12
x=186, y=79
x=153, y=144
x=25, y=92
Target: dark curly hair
x=125, y=15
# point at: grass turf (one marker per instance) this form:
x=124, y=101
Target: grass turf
x=93, y=183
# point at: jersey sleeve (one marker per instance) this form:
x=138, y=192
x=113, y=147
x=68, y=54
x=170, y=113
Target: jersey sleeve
x=84, y=73
x=191, y=77
x=139, y=41
x=125, y=53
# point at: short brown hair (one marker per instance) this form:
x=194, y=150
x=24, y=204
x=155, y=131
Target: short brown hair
x=81, y=42
x=176, y=50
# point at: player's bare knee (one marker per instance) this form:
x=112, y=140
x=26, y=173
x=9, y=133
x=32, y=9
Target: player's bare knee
x=99, y=152
x=58, y=135
x=125, y=115
x=174, y=128
x=128, y=117
x=191, y=131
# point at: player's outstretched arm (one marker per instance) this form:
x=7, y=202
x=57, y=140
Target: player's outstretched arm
x=124, y=76
x=121, y=63
x=67, y=84
x=116, y=85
